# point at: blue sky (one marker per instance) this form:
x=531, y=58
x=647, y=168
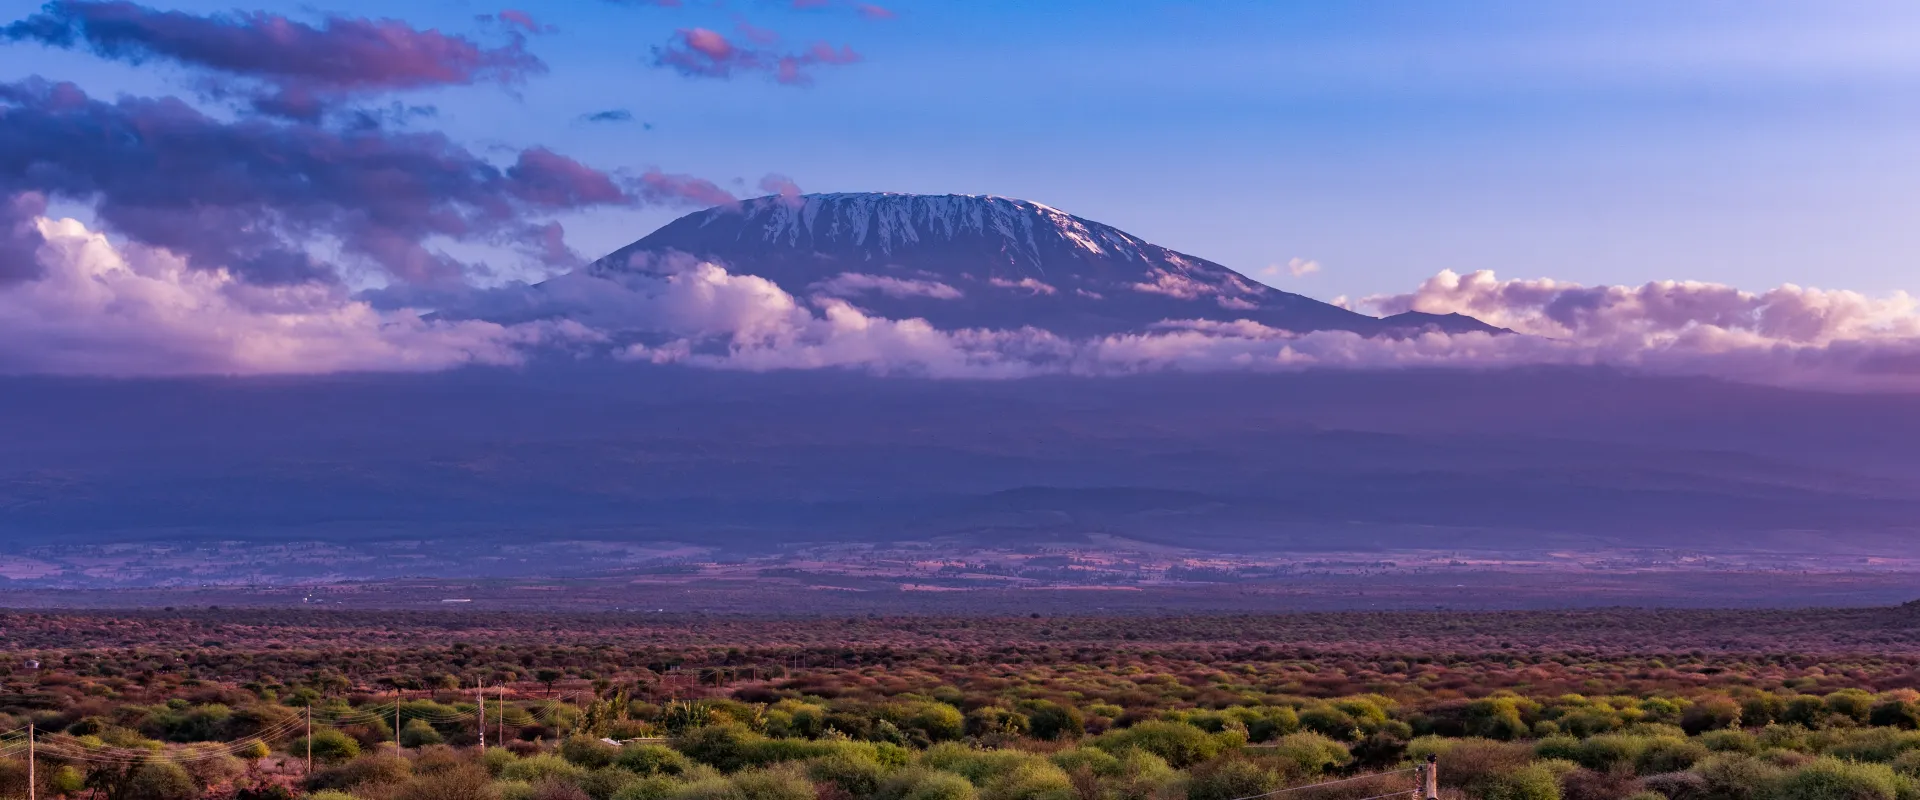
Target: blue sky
x=1751, y=143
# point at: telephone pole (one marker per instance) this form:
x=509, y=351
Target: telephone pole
x=482, y=692
x=309, y=738
x=1430, y=778
x=33, y=784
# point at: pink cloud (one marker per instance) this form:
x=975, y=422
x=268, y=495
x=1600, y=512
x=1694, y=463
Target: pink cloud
x=287, y=66
x=523, y=21
x=660, y=187
x=775, y=183
x=756, y=34
x=704, y=53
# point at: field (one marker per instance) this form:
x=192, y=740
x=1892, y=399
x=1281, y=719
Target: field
x=1602, y=704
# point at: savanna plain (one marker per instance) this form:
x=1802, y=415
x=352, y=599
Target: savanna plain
x=1597, y=704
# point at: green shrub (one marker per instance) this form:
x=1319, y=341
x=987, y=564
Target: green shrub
x=1561, y=747
x=1711, y=714
x=1330, y=721
x=1182, y=745
x=329, y=746
x=545, y=766
x=1833, y=779
x=1851, y=704
x=160, y=780
x=1229, y=778
x=1609, y=752
x=1090, y=759
x=1737, y=777
x=710, y=788
x=1872, y=744
x=1668, y=754
x=941, y=786
x=1531, y=782
x=1049, y=720
x=779, y=783
x=417, y=733
x=588, y=752
x=655, y=787
x=1310, y=754
x=1031, y=779
x=939, y=722
x=653, y=759
x=1730, y=741
x=996, y=721
x=854, y=774
x=604, y=783
x=1497, y=718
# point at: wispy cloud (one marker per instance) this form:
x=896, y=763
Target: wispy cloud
x=704, y=53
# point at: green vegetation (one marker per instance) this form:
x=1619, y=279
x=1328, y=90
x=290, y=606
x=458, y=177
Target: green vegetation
x=1020, y=717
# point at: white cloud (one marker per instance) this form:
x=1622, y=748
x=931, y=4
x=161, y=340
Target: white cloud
x=1026, y=284
x=94, y=307
x=1173, y=285
x=1662, y=312
x=854, y=284
x=97, y=308
x=1295, y=267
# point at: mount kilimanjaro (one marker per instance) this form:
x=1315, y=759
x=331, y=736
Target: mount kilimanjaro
x=969, y=261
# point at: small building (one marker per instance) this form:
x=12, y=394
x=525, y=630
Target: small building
x=31, y=664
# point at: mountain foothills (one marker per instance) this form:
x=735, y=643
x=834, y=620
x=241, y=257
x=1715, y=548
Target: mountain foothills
x=965, y=261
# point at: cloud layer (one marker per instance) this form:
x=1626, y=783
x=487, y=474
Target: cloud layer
x=96, y=308
x=285, y=66
x=85, y=305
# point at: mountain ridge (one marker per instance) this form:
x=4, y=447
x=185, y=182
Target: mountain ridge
x=985, y=261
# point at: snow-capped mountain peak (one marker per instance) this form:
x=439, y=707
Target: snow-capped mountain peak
x=983, y=261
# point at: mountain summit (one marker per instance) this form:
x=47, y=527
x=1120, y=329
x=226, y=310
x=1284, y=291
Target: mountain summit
x=970, y=261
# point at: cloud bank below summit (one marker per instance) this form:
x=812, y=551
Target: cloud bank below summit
x=92, y=306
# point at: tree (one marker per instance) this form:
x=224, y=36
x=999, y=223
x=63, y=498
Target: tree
x=548, y=677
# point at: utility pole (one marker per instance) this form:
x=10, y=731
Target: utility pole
x=482, y=692
x=397, y=696
x=503, y=715
x=33, y=786
x=309, y=738
x=1430, y=778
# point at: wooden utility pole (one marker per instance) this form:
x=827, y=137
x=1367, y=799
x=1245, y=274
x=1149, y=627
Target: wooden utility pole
x=1430, y=778
x=483, y=716
x=33, y=784
x=309, y=738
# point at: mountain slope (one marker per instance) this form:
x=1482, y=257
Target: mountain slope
x=965, y=261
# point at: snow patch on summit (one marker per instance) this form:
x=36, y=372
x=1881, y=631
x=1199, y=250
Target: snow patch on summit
x=889, y=222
